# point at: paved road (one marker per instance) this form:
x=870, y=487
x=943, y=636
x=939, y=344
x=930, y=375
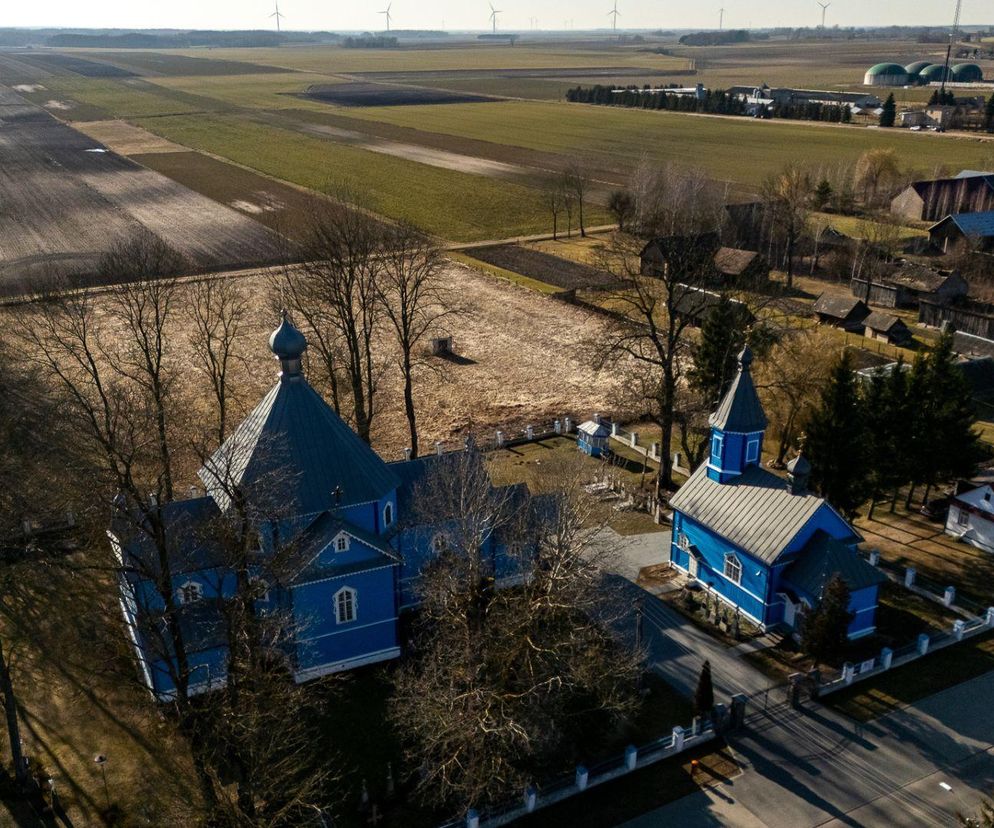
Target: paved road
x=816, y=768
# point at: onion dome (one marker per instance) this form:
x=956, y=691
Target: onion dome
x=289, y=345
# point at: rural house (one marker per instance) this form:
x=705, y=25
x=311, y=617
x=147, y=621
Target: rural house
x=971, y=517
x=846, y=312
x=694, y=304
x=885, y=327
x=741, y=268
x=964, y=233
x=969, y=192
x=764, y=545
x=686, y=253
x=339, y=545
x=907, y=284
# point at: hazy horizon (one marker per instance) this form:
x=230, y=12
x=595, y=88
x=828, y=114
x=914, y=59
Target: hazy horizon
x=310, y=15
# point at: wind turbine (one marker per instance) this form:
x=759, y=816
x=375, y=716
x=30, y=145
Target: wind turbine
x=386, y=12
x=493, y=16
x=277, y=15
x=824, y=8
x=614, y=14
x=721, y=18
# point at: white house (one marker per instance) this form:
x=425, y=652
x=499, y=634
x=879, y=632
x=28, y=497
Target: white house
x=971, y=517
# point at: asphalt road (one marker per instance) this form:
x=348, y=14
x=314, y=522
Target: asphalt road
x=916, y=767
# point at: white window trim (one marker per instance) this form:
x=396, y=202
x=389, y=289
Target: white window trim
x=962, y=517
x=682, y=541
x=717, y=444
x=388, y=515
x=339, y=538
x=338, y=607
x=195, y=586
x=730, y=557
x=752, y=451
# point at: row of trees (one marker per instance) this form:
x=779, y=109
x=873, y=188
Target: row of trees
x=908, y=427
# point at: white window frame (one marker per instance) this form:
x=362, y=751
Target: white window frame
x=962, y=517
x=350, y=601
x=717, y=444
x=262, y=585
x=682, y=541
x=342, y=542
x=195, y=588
x=388, y=515
x=736, y=568
x=752, y=451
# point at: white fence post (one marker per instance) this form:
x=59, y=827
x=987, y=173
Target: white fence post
x=654, y=451
x=949, y=596
x=909, y=576
x=472, y=818
x=614, y=429
x=567, y=425
x=634, y=438
x=990, y=617
x=582, y=776
x=848, y=672
x=677, y=739
x=531, y=798
x=874, y=557
x=923, y=642
x=959, y=627
x=407, y=454
x=500, y=439
x=438, y=447
x=631, y=757
x=886, y=657
x=530, y=433
x=558, y=427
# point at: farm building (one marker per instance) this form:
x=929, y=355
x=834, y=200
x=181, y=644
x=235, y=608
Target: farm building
x=964, y=232
x=886, y=74
x=965, y=316
x=695, y=303
x=787, y=96
x=934, y=200
x=740, y=267
x=967, y=73
x=594, y=437
x=765, y=546
x=681, y=252
x=885, y=327
x=971, y=517
x=337, y=550
x=846, y=312
x=936, y=73
x=908, y=283
x=967, y=344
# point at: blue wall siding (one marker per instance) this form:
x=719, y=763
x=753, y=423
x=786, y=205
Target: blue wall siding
x=205, y=666
x=863, y=602
x=750, y=594
x=369, y=516
x=322, y=640
x=727, y=459
x=357, y=553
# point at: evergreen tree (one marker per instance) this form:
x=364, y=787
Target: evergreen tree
x=889, y=114
x=886, y=414
x=824, y=633
x=822, y=194
x=836, y=442
x=704, y=694
x=714, y=365
x=989, y=115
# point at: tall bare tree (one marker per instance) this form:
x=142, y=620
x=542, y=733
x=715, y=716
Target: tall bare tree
x=786, y=196
x=576, y=181
x=497, y=673
x=414, y=302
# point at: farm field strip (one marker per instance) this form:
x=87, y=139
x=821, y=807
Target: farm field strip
x=66, y=203
x=719, y=145
x=269, y=91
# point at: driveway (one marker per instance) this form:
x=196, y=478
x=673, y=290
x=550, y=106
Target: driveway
x=916, y=767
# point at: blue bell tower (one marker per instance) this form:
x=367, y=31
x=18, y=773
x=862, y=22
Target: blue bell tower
x=737, y=426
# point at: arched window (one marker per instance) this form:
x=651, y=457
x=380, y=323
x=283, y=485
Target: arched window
x=190, y=592
x=733, y=568
x=341, y=542
x=345, y=605
x=388, y=515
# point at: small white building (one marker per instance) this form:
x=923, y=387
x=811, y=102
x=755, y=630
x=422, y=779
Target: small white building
x=971, y=517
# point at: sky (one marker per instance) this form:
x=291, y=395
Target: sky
x=474, y=14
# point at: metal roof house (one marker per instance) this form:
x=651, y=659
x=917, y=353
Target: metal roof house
x=337, y=545
x=971, y=517
x=762, y=544
x=964, y=232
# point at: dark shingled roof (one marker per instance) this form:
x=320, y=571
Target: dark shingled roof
x=883, y=322
x=840, y=307
x=295, y=443
x=822, y=559
x=755, y=511
x=731, y=261
x=740, y=410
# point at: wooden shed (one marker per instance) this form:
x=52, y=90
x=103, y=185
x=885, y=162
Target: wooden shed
x=846, y=312
x=885, y=327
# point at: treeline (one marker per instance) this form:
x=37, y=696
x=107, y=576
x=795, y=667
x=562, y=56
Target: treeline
x=722, y=38
x=370, y=42
x=182, y=40
x=711, y=101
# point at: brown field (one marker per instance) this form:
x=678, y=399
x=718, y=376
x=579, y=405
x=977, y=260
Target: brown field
x=125, y=139
x=67, y=200
x=544, y=267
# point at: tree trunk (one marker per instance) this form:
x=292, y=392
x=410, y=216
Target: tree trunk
x=13, y=725
x=583, y=230
x=911, y=495
x=409, y=404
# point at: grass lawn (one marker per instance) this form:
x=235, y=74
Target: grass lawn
x=910, y=539
x=450, y=204
x=897, y=688
x=720, y=145
x=640, y=792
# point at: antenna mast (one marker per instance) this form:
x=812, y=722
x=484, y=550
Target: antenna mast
x=949, y=48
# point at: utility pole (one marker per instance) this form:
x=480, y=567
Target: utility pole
x=721, y=19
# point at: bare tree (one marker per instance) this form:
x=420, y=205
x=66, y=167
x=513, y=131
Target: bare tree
x=414, y=302
x=554, y=202
x=875, y=174
x=576, y=181
x=786, y=195
x=497, y=672
x=219, y=309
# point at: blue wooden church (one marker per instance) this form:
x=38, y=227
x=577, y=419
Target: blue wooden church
x=764, y=545
x=358, y=546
